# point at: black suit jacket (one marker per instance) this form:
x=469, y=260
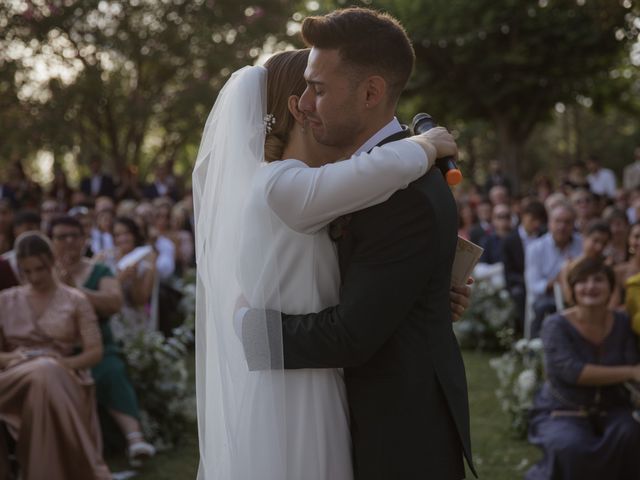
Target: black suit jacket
x=393, y=335
x=107, y=187
x=513, y=259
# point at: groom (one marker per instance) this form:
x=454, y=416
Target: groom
x=392, y=330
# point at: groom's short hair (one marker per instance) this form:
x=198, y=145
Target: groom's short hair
x=370, y=41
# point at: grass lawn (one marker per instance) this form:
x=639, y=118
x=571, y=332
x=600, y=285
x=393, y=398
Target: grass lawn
x=498, y=456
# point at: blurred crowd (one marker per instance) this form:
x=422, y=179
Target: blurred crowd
x=568, y=254
x=532, y=239
x=125, y=245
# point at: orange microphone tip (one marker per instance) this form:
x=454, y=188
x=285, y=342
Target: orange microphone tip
x=454, y=176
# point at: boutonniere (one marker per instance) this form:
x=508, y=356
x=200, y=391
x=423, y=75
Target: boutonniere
x=338, y=228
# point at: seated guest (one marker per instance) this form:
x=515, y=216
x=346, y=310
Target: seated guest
x=60, y=189
x=49, y=209
x=595, y=240
x=542, y=187
x=617, y=251
x=582, y=416
x=493, y=243
x=466, y=220
x=163, y=185
x=98, y=183
x=584, y=204
x=46, y=392
x=483, y=227
x=544, y=258
x=134, y=263
x=185, y=243
x=534, y=217
x=114, y=391
x=164, y=238
x=129, y=187
x=102, y=233
x=83, y=215
x=631, y=268
x=602, y=181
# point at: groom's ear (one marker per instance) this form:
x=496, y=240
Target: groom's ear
x=294, y=110
x=376, y=91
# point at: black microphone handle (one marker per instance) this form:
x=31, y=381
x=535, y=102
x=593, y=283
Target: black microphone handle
x=423, y=122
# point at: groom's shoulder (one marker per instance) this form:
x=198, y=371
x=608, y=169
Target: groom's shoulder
x=405, y=203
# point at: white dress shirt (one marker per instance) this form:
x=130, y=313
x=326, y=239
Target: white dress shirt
x=526, y=238
x=544, y=260
x=631, y=175
x=603, y=182
x=101, y=241
x=389, y=129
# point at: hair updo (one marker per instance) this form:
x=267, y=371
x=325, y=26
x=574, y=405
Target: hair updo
x=285, y=77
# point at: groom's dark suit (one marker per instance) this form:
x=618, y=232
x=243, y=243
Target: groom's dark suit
x=392, y=334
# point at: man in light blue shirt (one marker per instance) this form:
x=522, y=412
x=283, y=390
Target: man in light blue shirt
x=544, y=259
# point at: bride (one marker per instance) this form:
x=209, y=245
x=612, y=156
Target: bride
x=250, y=206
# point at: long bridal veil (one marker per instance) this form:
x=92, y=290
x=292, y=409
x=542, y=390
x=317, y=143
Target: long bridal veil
x=241, y=414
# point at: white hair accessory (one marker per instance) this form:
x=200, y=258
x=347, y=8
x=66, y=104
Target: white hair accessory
x=269, y=122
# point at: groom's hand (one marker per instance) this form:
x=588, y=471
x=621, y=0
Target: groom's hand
x=460, y=299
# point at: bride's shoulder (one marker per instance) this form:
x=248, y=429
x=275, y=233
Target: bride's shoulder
x=271, y=170
x=284, y=164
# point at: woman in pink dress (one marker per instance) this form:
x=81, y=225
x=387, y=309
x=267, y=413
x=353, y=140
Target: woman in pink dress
x=47, y=398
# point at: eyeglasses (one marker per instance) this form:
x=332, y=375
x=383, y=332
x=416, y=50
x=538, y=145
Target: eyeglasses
x=66, y=236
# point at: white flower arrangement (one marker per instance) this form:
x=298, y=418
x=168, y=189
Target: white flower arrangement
x=488, y=322
x=158, y=371
x=520, y=373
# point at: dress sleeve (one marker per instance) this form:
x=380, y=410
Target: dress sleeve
x=560, y=356
x=630, y=340
x=307, y=199
x=87, y=322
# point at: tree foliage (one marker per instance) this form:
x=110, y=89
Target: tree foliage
x=141, y=74
x=509, y=62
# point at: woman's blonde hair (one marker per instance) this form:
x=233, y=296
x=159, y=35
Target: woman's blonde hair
x=285, y=77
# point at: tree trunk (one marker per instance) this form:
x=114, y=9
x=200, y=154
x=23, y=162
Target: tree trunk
x=510, y=154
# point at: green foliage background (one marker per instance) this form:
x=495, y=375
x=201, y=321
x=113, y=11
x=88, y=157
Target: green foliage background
x=535, y=83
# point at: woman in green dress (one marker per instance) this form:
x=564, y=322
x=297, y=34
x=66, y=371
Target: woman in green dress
x=115, y=393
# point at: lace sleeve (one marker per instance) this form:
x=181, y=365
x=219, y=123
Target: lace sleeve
x=307, y=199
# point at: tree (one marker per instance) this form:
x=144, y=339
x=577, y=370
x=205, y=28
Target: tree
x=141, y=75
x=509, y=62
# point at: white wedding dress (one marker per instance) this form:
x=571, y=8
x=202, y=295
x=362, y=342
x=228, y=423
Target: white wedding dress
x=261, y=241
x=300, y=202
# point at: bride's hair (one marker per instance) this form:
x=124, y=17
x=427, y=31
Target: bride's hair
x=284, y=78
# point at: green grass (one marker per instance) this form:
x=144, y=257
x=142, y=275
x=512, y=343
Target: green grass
x=497, y=454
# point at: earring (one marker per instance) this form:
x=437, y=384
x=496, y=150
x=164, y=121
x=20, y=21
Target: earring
x=366, y=105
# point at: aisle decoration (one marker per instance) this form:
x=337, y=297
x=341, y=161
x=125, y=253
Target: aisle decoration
x=520, y=374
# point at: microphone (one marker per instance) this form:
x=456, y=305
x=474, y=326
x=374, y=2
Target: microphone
x=422, y=123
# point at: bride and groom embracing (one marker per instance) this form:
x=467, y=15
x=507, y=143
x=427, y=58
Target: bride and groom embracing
x=371, y=385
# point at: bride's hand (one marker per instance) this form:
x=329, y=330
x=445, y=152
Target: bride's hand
x=460, y=299
x=437, y=143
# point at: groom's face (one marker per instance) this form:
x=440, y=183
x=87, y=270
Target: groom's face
x=332, y=100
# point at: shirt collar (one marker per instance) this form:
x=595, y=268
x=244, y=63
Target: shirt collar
x=389, y=129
